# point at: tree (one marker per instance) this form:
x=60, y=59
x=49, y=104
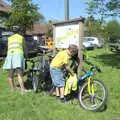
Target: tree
x=113, y=7
x=103, y=8
x=93, y=27
x=24, y=13
x=97, y=8
x=3, y=17
x=113, y=30
x=49, y=29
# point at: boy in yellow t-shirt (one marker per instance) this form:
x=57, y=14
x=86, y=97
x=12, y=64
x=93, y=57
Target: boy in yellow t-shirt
x=58, y=64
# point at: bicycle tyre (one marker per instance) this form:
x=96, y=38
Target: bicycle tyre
x=83, y=91
x=35, y=80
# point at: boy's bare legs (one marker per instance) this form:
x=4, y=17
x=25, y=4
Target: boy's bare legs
x=10, y=78
x=57, y=92
x=61, y=92
x=62, y=98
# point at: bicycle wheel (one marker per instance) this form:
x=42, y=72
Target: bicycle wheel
x=35, y=80
x=93, y=102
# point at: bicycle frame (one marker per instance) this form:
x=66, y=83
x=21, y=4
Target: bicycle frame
x=42, y=57
x=89, y=77
x=90, y=87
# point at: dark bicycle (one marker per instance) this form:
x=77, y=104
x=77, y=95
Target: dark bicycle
x=39, y=74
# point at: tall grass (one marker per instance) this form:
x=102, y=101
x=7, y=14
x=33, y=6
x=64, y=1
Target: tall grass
x=40, y=106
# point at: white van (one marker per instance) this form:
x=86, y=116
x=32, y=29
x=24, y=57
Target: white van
x=94, y=41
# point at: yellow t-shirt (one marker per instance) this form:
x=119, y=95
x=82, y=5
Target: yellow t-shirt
x=60, y=59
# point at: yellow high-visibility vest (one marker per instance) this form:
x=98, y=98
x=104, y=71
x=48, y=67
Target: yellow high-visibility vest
x=71, y=84
x=15, y=44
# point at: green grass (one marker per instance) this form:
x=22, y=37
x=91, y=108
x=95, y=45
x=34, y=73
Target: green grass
x=31, y=106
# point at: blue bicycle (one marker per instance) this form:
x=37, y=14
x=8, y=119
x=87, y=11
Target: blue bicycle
x=92, y=93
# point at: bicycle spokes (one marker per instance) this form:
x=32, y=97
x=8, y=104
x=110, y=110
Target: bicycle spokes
x=92, y=95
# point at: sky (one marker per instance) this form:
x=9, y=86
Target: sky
x=54, y=9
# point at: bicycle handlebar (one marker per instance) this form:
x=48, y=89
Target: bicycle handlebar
x=42, y=49
x=93, y=67
x=29, y=60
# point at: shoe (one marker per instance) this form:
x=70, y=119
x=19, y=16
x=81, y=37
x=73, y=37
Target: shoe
x=57, y=97
x=17, y=88
x=62, y=100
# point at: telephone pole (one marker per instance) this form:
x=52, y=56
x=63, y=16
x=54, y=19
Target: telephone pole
x=66, y=5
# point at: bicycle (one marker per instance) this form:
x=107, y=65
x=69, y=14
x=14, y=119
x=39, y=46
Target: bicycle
x=32, y=74
x=92, y=93
x=39, y=72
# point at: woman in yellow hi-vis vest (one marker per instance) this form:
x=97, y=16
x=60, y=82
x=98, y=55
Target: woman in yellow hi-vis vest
x=15, y=58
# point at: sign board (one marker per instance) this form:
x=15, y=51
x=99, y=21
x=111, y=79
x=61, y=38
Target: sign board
x=66, y=34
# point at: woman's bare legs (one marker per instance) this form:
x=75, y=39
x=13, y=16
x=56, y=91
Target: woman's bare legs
x=10, y=78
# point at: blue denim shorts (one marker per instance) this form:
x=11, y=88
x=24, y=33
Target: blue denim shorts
x=57, y=76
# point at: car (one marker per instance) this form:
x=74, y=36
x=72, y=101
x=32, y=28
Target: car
x=98, y=43
x=87, y=45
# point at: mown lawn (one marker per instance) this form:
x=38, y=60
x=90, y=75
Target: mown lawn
x=31, y=106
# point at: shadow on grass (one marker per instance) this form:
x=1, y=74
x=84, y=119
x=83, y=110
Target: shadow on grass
x=112, y=60
x=44, y=83
x=102, y=109
x=73, y=97
x=28, y=84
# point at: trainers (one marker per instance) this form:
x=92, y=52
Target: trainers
x=57, y=97
x=62, y=100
